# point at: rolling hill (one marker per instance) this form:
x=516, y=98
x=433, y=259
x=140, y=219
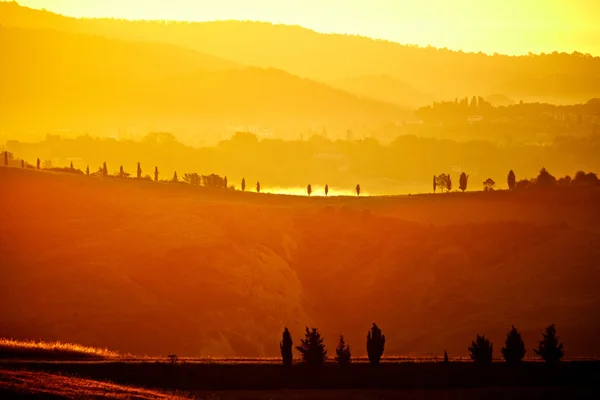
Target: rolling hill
x=52, y=79
x=554, y=78
x=148, y=268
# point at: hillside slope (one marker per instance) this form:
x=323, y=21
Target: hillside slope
x=154, y=269
x=84, y=81
x=554, y=78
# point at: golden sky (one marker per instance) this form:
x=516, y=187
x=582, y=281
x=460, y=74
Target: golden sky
x=503, y=26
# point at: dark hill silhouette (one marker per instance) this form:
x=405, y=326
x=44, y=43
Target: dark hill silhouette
x=556, y=78
x=81, y=81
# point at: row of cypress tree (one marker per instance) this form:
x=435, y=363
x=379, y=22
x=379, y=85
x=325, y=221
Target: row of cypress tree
x=314, y=354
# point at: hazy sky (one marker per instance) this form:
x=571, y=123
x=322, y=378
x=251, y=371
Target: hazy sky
x=504, y=26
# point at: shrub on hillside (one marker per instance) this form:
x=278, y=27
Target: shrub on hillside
x=549, y=347
x=514, y=347
x=312, y=348
x=342, y=352
x=481, y=350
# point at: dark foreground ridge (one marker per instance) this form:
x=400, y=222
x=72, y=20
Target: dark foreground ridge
x=195, y=377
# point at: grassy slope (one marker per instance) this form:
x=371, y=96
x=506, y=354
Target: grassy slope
x=40, y=350
x=153, y=268
x=29, y=384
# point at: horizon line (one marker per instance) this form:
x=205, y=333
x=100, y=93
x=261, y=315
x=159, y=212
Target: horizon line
x=310, y=29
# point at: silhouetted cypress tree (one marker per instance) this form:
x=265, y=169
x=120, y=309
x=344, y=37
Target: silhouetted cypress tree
x=326, y=190
x=511, y=180
x=445, y=357
x=312, y=348
x=87, y=170
x=121, y=172
x=481, y=350
x=448, y=183
x=285, y=346
x=37, y=164
x=358, y=190
x=549, y=348
x=309, y=189
x=375, y=344
x=225, y=182
x=104, y=169
x=6, y=158
x=139, y=171
x=243, y=184
x=71, y=166
x=257, y=187
x=514, y=348
x=342, y=353
x=175, y=178
x=22, y=163
x=155, y=174
x=463, y=181
x=434, y=183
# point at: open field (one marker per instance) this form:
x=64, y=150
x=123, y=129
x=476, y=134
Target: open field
x=156, y=269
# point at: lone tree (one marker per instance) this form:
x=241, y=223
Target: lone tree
x=342, y=353
x=87, y=170
x=549, y=348
x=488, y=184
x=104, y=169
x=6, y=158
x=309, y=189
x=434, y=183
x=121, y=172
x=243, y=184
x=511, y=180
x=156, y=174
x=37, y=164
x=312, y=348
x=375, y=344
x=463, y=181
x=139, y=171
x=225, y=182
x=257, y=187
x=71, y=166
x=448, y=183
x=175, y=178
x=481, y=350
x=285, y=346
x=23, y=164
x=514, y=348
x=326, y=190
x=358, y=190
x=445, y=357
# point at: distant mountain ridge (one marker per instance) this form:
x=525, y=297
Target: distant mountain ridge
x=53, y=79
x=555, y=78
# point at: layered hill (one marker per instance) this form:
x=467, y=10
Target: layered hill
x=153, y=268
x=52, y=79
x=555, y=78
